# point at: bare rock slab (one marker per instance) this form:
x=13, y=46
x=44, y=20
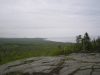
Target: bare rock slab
x=73, y=64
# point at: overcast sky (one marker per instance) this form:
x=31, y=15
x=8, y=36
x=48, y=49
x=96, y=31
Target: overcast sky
x=49, y=18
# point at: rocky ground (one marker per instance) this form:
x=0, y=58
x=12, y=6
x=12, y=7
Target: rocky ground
x=73, y=64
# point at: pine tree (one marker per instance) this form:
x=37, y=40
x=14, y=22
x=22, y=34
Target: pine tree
x=78, y=42
x=78, y=38
x=86, y=42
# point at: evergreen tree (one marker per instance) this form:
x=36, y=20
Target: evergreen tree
x=94, y=46
x=98, y=44
x=78, y=43
x=86, y=42
x=78, y=38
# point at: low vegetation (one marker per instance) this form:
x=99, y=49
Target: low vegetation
x=12, y=49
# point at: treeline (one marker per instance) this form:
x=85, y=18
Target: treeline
x=85, y=44
x=15, y=49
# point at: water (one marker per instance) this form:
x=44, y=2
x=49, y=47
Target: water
x=65, y=39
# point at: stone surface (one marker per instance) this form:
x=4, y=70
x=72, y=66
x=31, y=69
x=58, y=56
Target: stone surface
x=73, y=64
x=83, y=72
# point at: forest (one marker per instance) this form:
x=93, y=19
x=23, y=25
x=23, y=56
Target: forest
x=12, y=49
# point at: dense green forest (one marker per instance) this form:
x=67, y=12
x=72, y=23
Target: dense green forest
x=18, y=48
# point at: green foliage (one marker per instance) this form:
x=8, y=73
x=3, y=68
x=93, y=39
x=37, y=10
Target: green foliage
x=14, y=49
x=85, y=44
x=78, y=38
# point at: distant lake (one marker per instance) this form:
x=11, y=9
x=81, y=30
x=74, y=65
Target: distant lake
x=67, y=39
x=64, y=39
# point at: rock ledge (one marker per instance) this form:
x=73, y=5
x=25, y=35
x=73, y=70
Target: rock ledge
x=73, y=64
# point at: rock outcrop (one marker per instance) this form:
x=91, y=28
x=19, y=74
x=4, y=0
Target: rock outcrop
x=73, y=64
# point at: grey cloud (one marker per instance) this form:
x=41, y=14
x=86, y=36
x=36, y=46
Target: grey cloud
x=3, y=33
x=71, y=15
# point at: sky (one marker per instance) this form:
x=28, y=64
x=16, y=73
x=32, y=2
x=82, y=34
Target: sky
x=49, y=18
